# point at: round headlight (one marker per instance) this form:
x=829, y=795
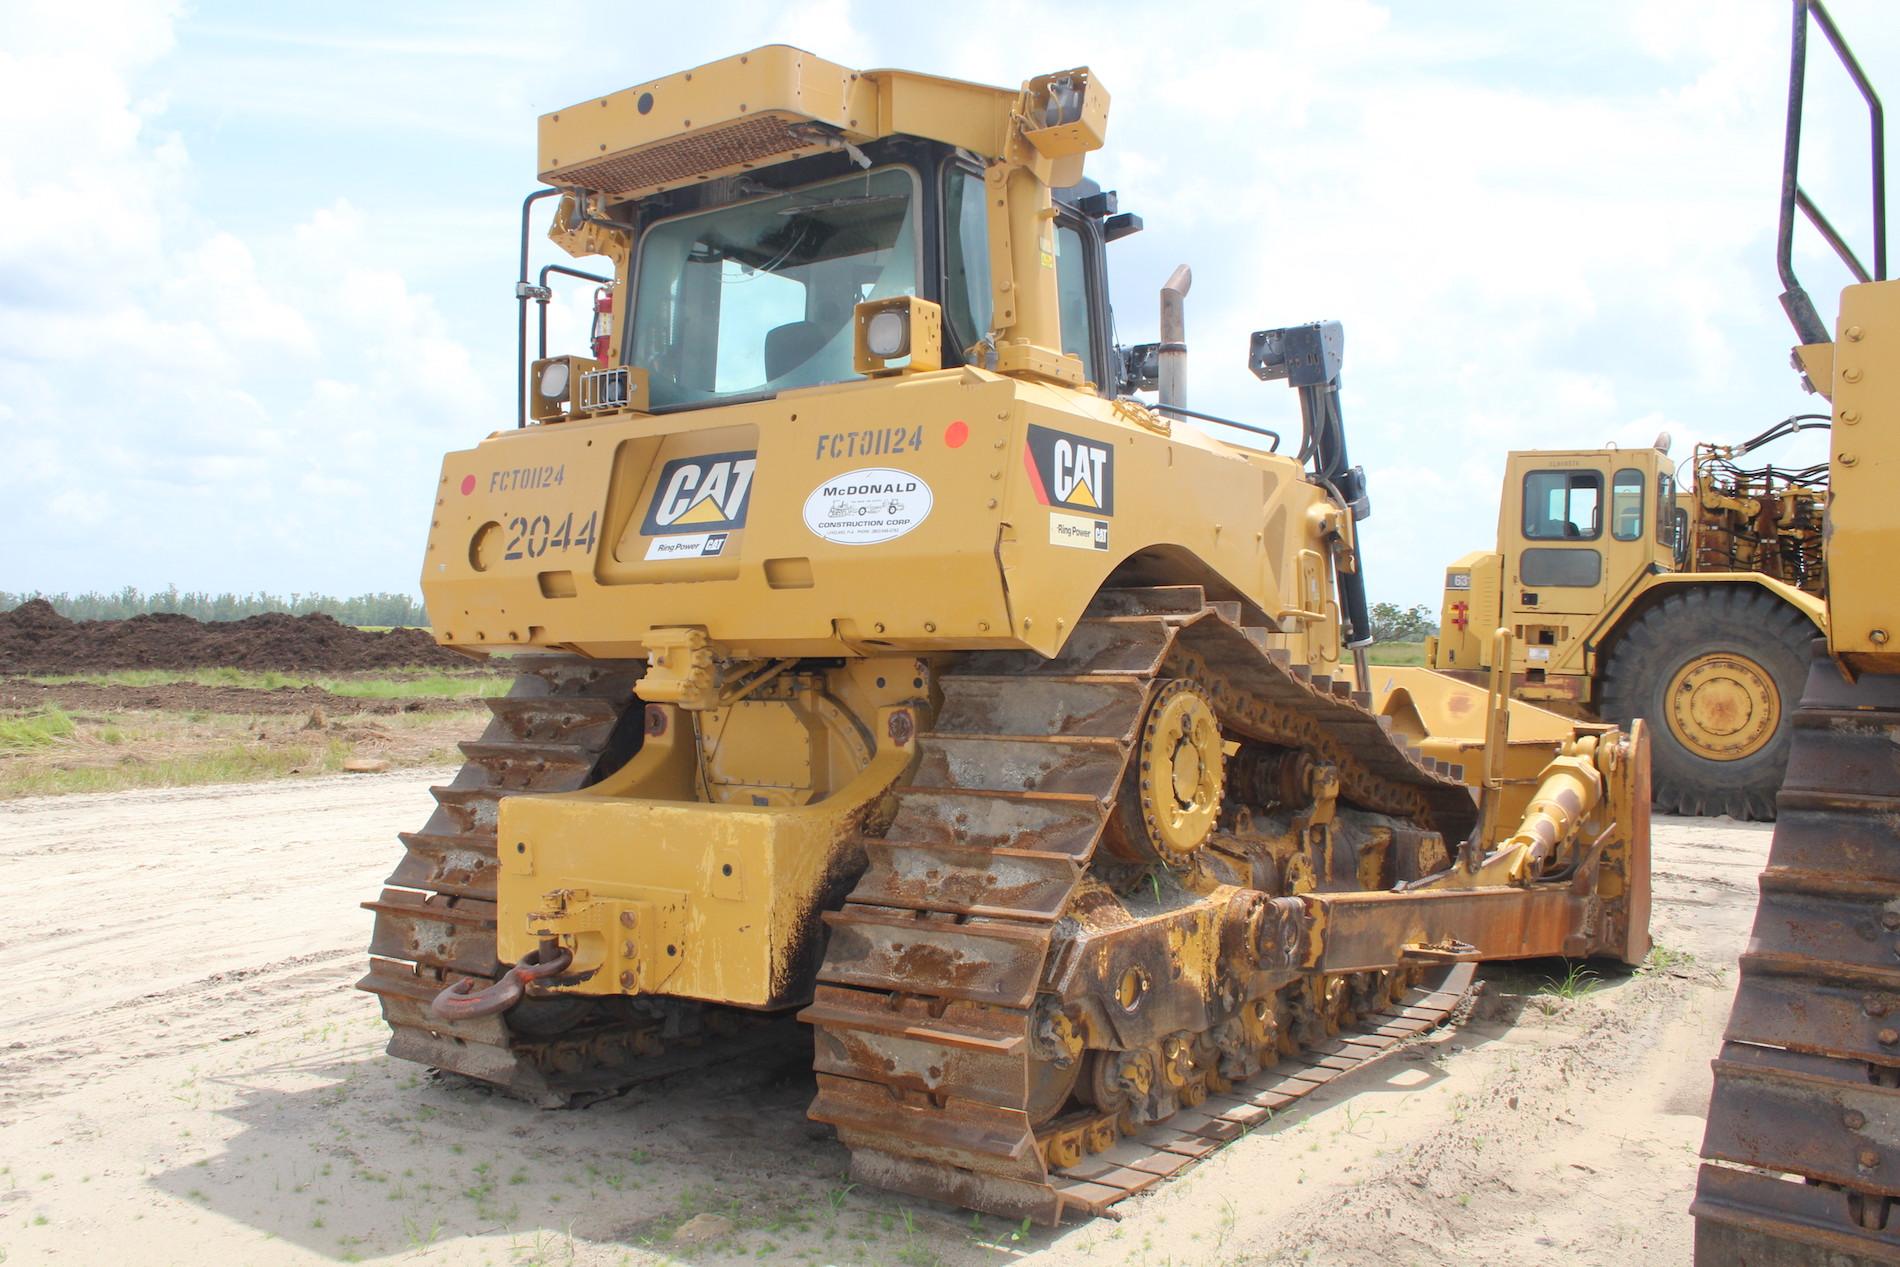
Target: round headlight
x=887, y=334
x=553, y=384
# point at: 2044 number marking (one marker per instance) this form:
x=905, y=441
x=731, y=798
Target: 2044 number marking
x=532, y=538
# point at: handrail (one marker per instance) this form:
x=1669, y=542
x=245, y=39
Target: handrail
x=543, y=295
x=524, y=291
x=1794, y=300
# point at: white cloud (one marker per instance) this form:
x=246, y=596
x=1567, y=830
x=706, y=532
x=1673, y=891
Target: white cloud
x=254, y=279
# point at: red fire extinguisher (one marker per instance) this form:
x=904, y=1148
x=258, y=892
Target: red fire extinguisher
x=603, y=322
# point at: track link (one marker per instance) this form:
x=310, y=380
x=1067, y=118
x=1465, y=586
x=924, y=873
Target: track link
x=562, y=723
x=930, y=1013
x=1807, y=1087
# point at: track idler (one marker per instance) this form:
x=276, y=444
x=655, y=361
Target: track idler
x=461, y=1001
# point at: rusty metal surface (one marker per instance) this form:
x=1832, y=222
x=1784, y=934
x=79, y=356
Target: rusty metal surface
x=935, y=1016
x=1748, y=1219
x=435, y=923
x=1807, y=1087
x=1366, y=931
x=462, y=1000
x=1141, y=1160
x=1804, y=1115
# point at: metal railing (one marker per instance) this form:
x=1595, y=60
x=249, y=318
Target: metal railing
x=1794, y=300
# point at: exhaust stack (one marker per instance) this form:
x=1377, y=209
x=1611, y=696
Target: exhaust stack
x=1171, y=352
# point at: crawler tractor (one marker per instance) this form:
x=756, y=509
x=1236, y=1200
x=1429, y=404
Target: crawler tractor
x=886, y=662
x=1803, y=1138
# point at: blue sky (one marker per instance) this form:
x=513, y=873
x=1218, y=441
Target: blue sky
x=256, y=262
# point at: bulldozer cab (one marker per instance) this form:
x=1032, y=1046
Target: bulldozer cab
x=1578, y=530
x=747, y=235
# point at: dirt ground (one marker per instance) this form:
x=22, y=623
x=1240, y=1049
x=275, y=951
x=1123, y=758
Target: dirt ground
x=116, y=736
x=34, y=638
x=187, y=1077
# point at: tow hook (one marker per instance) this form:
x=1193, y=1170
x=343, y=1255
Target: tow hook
x=460, y=1001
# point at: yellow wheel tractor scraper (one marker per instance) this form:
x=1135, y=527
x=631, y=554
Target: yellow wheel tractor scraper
x=884, y=660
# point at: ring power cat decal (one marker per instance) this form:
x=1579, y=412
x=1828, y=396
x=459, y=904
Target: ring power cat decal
x=1070, y=471
x=706, y=493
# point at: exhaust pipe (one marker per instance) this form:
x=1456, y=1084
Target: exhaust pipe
x=1171, y=352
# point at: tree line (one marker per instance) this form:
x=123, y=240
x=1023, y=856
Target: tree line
x=1392, y=623
x=364, y=609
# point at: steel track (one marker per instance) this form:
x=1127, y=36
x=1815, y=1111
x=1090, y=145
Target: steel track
x=563, y=718
x=1803, y=1138
x=927, y=1053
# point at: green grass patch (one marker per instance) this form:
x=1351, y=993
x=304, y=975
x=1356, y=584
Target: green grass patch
x=391, y=684
x=26, y=732
x=1401, y=654
x=233, y=763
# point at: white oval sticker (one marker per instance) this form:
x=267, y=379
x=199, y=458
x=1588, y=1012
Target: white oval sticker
x=861, y=508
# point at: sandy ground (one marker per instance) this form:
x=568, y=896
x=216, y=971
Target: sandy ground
x=187, y=1077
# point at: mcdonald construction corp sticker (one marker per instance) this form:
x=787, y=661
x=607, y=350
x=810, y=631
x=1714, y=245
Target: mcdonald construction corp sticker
x=865, y=507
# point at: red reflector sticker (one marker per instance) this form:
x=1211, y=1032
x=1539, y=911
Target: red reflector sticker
x=468, y=485
x=955, y=434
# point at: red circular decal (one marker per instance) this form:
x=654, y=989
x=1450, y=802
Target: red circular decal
x=955, y=434
x=468, y=485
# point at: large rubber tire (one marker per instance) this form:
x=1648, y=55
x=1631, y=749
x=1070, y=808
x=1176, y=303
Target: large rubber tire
x=1692, y=623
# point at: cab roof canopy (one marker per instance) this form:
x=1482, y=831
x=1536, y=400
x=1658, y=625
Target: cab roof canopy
x=778, y=103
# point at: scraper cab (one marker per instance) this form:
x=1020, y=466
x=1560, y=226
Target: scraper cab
x=886, y=659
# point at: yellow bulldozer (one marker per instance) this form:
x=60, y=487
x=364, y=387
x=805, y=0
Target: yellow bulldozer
x=886, y=661
x=1803, y=1136
x=1689, y=605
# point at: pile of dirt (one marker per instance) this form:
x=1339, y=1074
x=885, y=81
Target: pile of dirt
x=36, y=639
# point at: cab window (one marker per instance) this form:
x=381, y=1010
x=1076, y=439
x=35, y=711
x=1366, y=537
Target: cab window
x=1545, y=567
x=1072, y=295
x=966, y=290
x=1627, y=495
x=1666, y=509
x=1563, y=505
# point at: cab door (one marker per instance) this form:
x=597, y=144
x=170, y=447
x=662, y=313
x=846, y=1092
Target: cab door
x=1558, y=568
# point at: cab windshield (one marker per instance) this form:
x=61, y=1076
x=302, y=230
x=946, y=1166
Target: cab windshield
x=758, y=296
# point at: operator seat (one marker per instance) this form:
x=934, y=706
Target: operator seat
x=789, y=346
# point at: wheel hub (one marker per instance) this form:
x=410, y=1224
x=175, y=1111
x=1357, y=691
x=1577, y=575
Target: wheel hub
x=1181, y=768
x=1722, y=707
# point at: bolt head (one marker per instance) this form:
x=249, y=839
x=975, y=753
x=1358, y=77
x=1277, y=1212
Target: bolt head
x=626, y=981
x=1888, y=1037
x=626, y=919
x=1890, y=920
x=1853, y=1119
x=1869, y=1159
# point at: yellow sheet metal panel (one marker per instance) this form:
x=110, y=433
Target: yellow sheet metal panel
x=723, y=117
x=1863, y=514
x=837, y=516
x=971, y=116
x=955, y=510
x=723, y=904
x=1469, y=611
x=778, y=103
